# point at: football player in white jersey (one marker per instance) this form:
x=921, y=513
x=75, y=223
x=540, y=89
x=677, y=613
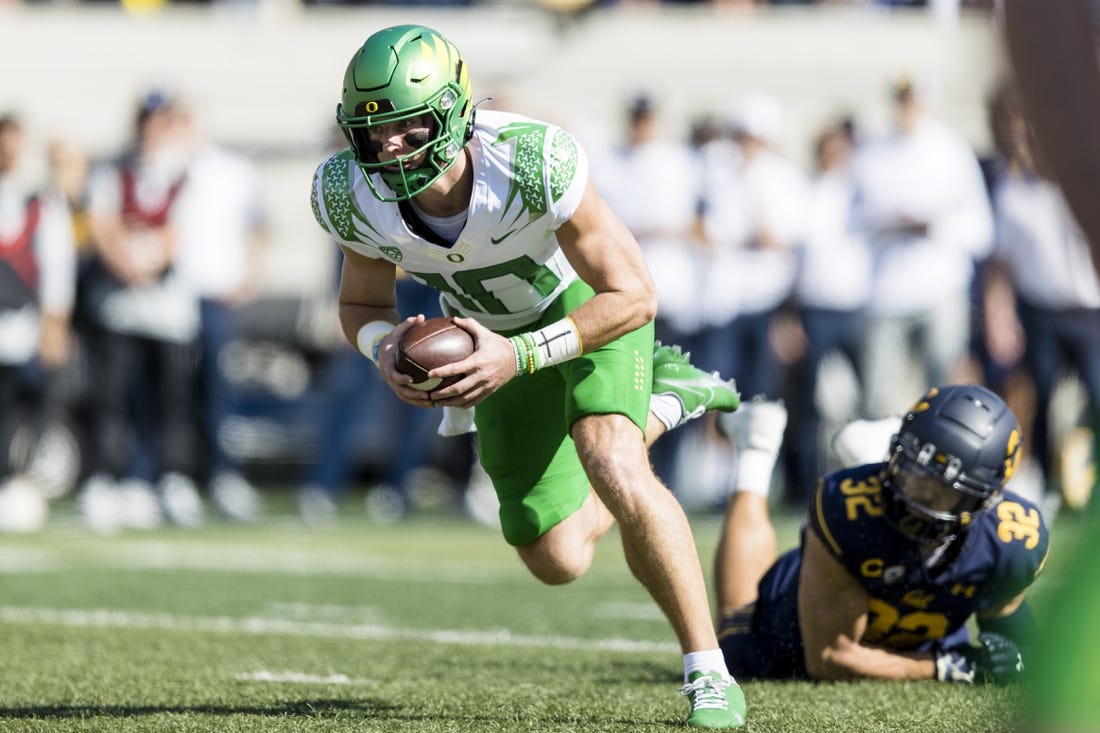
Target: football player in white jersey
x=500, y=217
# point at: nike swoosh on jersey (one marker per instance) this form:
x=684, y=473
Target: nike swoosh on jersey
x=498, y=240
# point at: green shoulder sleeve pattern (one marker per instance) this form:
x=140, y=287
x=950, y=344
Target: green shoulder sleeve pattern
x=563, y=163
x=530, y=166
x=340, y=215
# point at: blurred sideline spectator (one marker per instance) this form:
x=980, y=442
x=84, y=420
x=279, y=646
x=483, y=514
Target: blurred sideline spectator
x=653, y=183
x=754, y=217
x=922, y=204
x=37, y=285
x=1053, y=49
x=145, y=322
x=1044, y=258
x=830, y=292
x=998, y=339
x=221, y=241
x=63, y=447
x=69, y=168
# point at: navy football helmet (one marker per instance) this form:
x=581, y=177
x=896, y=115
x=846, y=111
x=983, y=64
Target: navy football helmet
x=966, y=438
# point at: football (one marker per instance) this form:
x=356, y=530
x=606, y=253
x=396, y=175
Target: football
x=433, y=343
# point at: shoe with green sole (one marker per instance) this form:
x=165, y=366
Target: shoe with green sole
x=717, y=702
x=697, y=390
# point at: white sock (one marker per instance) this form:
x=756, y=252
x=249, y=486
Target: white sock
x=754, y=471
x=711, y=660
x=756, y=431
x=668, y=409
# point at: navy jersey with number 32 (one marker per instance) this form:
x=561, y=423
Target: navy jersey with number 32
x=1000, y=554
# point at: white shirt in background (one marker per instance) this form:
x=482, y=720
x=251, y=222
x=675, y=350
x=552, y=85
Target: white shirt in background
x=767, y=192
x=220, y=209
x=1039, y=240
x=654, y=189
x=167, y=308
x=56, y=259
x=834, y=270
x=930, y=175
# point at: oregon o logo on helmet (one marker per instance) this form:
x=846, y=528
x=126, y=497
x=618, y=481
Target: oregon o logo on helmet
x=371, y=107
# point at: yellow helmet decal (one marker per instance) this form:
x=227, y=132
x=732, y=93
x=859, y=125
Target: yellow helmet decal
x=922, y=404
x=1012, y=454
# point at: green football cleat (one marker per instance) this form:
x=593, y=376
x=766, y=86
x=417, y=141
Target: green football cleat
x=716, y=702
x=698, y=391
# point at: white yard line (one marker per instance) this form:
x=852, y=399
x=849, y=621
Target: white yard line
x=323, y=612
x=254, y=559
x=264, y=675
x=155, y=555
x=27, y=560
x=107, y=618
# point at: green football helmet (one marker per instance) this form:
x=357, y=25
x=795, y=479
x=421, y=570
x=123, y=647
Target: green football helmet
x=400, y=73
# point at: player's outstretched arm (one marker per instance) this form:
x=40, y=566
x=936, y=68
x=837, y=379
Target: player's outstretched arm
x=997, y=657
x=833, y=615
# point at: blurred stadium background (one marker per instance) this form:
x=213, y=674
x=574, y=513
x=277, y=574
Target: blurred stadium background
x=265, y=76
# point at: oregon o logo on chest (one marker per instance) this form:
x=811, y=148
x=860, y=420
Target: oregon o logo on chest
x=455, y=257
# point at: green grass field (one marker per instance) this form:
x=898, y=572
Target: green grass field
x=428, y=625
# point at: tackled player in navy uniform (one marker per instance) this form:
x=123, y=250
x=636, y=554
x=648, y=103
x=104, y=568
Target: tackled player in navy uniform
x=895, y=557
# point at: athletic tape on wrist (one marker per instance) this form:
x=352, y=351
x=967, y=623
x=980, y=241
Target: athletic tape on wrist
x=553, y=344
x=558, y=342
x=370, y=337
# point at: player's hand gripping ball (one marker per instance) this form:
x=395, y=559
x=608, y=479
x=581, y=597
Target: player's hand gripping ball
x=431, y=344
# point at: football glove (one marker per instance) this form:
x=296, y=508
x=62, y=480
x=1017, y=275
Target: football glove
x=996, y=659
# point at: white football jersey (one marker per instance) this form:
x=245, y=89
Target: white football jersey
x=506, y=266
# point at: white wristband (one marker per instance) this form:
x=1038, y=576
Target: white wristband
x=558, y=342
x=370, y=336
